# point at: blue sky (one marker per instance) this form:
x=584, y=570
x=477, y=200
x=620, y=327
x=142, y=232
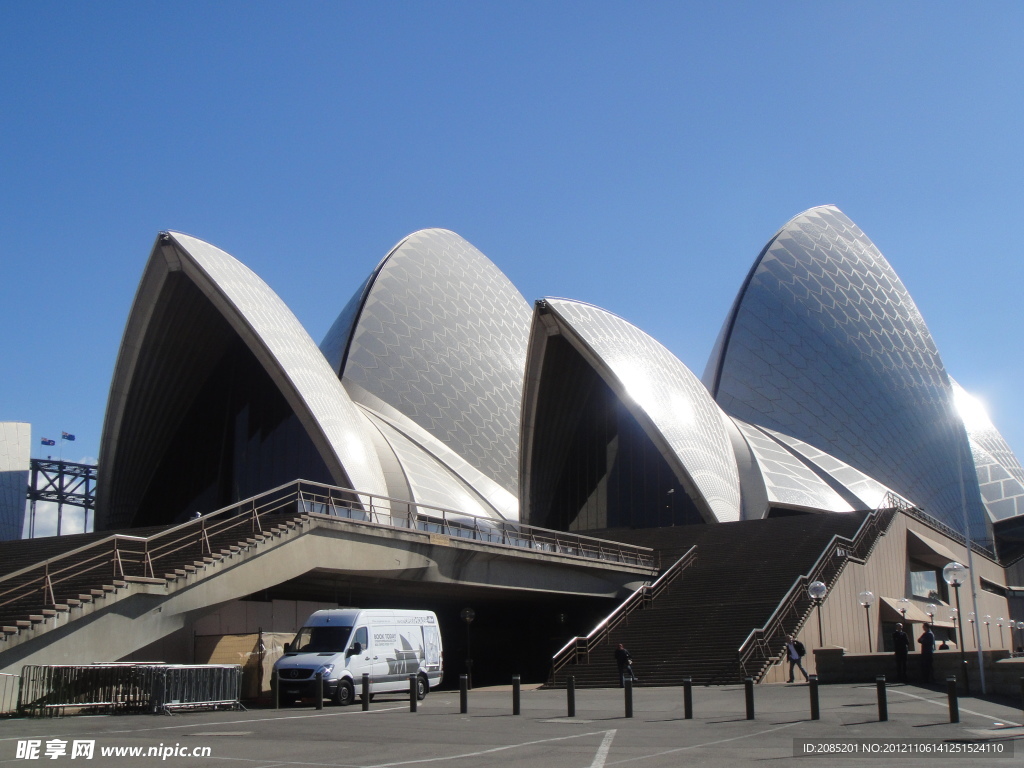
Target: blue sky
x=633, y=155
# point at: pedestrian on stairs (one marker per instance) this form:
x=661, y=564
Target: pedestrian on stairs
x=625, y=664
x=795, y=652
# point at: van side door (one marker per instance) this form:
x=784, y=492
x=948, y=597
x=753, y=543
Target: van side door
x=360, y=662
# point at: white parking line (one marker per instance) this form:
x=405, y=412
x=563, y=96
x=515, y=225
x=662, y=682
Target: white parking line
x=945, y=705
x=705, y=744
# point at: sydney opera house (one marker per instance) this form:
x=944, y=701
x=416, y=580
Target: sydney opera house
x=439, y=384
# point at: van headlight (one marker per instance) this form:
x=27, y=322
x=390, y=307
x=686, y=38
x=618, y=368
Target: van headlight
x=326, y=670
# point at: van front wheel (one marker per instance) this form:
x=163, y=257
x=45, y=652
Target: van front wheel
x=345, y=694
x=421, y=687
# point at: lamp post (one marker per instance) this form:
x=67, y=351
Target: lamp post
x=867, y=599
x=468, y=614
x=930, y=610
x=988, y=629
x=999, y=623
x=1020, y=636
x=817, y=590
x=904, y=605
x=955, y=574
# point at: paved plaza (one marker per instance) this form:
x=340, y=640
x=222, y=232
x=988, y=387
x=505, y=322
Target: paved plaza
x=490, y=735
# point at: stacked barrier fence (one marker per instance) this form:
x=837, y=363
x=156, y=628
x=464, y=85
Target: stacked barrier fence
x=121, y=688
x=9, y=693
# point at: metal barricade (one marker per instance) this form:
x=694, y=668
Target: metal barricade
x=9, y=693
x=124, y=688
x=197, y=686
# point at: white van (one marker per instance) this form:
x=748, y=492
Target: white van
x=345, y=643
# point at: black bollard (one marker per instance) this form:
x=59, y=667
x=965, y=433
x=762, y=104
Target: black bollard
x=883, y=705
x=628, y=688
x=1022, y=693
x=570, y=695
x=463, y=694
x=318, y=689
x=688, y=698
x=413, y=692
x=516, y=695
x=812, y=686
x=954, y=706
x=967, y=678
x=276, y=680
x=748, y=690
x=366, y=692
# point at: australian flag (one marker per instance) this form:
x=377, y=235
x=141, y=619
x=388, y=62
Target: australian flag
x=66, y=436
x=48, y=441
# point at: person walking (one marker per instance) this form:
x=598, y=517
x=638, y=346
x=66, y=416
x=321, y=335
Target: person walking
x=625, y=664
x=927, y=643
x=795, y=652
x=901, y=645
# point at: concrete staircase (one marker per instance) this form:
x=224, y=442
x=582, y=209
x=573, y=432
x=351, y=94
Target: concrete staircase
x=742, y=572
x=51, y=581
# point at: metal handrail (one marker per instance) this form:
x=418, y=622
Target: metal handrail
x=579, y=647
x=120, y=556
x=795, y=606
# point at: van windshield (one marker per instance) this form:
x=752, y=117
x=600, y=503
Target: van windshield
x=321, y=639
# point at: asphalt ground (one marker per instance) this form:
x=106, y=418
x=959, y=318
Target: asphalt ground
x=542, y=735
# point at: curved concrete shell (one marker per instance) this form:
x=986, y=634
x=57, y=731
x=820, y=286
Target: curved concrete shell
x=824, y=344
x=1000, y=474
x=439, y=333
x=787, y=481
x=859, y=490
x=668, y=402
x=199, y=319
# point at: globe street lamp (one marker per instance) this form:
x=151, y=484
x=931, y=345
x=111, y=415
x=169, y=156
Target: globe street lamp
x=468, y=614
x=904, y=605
x=867, y=599
x=999, y=623
x=955, y=574
x=817, y=590
x=930, y=610
x=988, y=629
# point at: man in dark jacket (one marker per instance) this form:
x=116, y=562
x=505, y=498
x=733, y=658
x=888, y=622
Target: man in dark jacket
x=901, y=645
x=625, y=664
x=795, y=652
x=927, y=643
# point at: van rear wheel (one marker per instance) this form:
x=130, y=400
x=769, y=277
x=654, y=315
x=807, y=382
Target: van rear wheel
x=344, y=694
x=421, y=687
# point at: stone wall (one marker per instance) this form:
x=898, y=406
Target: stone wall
x=1002, y=674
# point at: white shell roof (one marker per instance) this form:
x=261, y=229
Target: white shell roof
x=275, y=337
x=1000, y=475
x=664, y=396
x=869, y=493
x=825, y=344
x=789, y=481
x=440, y=334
